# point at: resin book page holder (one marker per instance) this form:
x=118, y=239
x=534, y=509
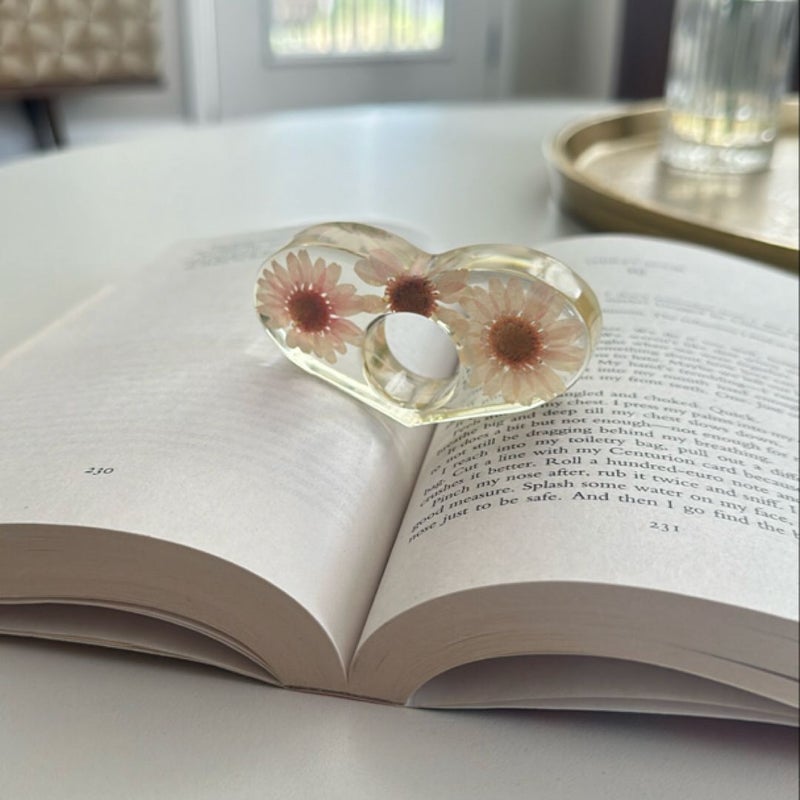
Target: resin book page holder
x=472, y=332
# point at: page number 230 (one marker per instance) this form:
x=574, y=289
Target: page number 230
x=98, y=471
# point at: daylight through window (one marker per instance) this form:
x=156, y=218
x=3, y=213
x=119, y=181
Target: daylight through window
x=355, y=27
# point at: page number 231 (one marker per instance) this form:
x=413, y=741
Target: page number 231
x=664, y=527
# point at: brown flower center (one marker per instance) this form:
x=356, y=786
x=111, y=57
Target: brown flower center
x=310, y=311
x=412, y=293
x=515, y=342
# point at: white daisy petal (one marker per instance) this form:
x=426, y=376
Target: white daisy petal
x=550, y=381
x=385, y=265
x=332, y=275
x=372, y=304
x=450, y=283
x=281, y=276
x=318, y=274
x=295, y=269
x=306, y=267
x=566, y=359
x=515, y=336
x=311, y=292
x=366, y=270
x=564, y=331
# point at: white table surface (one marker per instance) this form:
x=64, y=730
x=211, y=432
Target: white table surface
x=78, y=722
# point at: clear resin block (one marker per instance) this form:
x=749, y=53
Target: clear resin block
x=476, y=331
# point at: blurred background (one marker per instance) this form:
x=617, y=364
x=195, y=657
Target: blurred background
x=77, y=72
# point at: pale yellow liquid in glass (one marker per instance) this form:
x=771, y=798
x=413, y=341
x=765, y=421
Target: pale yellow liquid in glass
x=728, y=65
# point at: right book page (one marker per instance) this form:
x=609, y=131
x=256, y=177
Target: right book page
x=649, y=514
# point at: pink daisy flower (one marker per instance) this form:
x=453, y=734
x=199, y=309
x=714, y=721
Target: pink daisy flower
x=411, y=288
x=306, y=303
x=517, y=340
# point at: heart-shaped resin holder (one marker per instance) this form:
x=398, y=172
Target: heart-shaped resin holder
x=481, y=330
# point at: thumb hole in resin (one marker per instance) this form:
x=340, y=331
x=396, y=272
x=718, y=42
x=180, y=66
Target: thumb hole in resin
x=410, y=359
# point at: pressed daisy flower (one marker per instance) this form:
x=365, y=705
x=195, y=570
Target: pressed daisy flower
x=308, y=303
x=518, y=340
x=413, y=289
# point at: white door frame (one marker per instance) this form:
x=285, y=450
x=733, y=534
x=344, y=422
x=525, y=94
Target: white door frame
x=199, y=45
x=198, y=33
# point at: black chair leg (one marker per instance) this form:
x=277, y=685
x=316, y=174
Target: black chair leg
x=44, y=118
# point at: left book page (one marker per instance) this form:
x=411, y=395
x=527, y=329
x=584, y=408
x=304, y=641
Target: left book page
x=158, y=454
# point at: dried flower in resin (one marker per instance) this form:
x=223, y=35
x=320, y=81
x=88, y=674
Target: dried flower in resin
x=307, y=301
x=416, y=288
x=518, y=339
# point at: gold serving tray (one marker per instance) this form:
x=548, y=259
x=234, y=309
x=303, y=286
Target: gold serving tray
x=606, y=171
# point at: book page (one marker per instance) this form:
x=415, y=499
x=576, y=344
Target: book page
x=161, y=408
x=120, y=629
x=670, y=466
x=593, y=683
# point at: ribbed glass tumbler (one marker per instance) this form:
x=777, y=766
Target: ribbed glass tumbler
x=727, y=76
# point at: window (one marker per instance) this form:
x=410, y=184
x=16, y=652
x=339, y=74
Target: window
x=354, y=28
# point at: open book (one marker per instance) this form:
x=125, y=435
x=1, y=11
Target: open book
x=170, y=483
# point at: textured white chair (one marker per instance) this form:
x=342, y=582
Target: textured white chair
x=48, y=47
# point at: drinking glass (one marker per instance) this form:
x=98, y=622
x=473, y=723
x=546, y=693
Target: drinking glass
x=726, y=78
